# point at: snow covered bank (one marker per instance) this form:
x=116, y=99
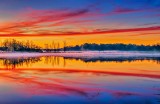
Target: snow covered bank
x=84, y=54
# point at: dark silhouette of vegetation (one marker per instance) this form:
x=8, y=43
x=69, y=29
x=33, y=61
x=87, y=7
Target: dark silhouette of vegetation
x=118, y=46
x=14, y=45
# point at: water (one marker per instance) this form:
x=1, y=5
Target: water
x=68, y=80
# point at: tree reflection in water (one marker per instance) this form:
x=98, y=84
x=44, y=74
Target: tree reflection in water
x=118, y=59
x=16, y=62
x=12, y=63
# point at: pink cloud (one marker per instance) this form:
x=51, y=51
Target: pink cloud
x=37, y=22
x=94, y=32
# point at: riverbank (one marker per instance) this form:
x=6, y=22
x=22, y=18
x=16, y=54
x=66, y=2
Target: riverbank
x=83, y=54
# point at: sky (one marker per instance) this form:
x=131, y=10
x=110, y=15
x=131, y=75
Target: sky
x=81, y=21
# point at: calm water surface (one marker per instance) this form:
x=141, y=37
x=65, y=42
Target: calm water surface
x=58, y=80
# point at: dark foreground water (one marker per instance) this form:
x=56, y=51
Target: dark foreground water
x=58, y=80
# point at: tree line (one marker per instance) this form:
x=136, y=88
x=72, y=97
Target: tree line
x=117, y=46
x=29, y=46
x=14, y=45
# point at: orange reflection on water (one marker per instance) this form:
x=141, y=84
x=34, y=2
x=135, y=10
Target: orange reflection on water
x=134, y=67
x=61, y=77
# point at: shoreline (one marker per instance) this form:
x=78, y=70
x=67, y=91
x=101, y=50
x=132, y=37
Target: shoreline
x=82, y=54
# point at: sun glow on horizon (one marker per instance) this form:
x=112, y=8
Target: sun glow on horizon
x=128, y=24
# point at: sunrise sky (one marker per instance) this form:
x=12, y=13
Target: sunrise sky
x=81, y=21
